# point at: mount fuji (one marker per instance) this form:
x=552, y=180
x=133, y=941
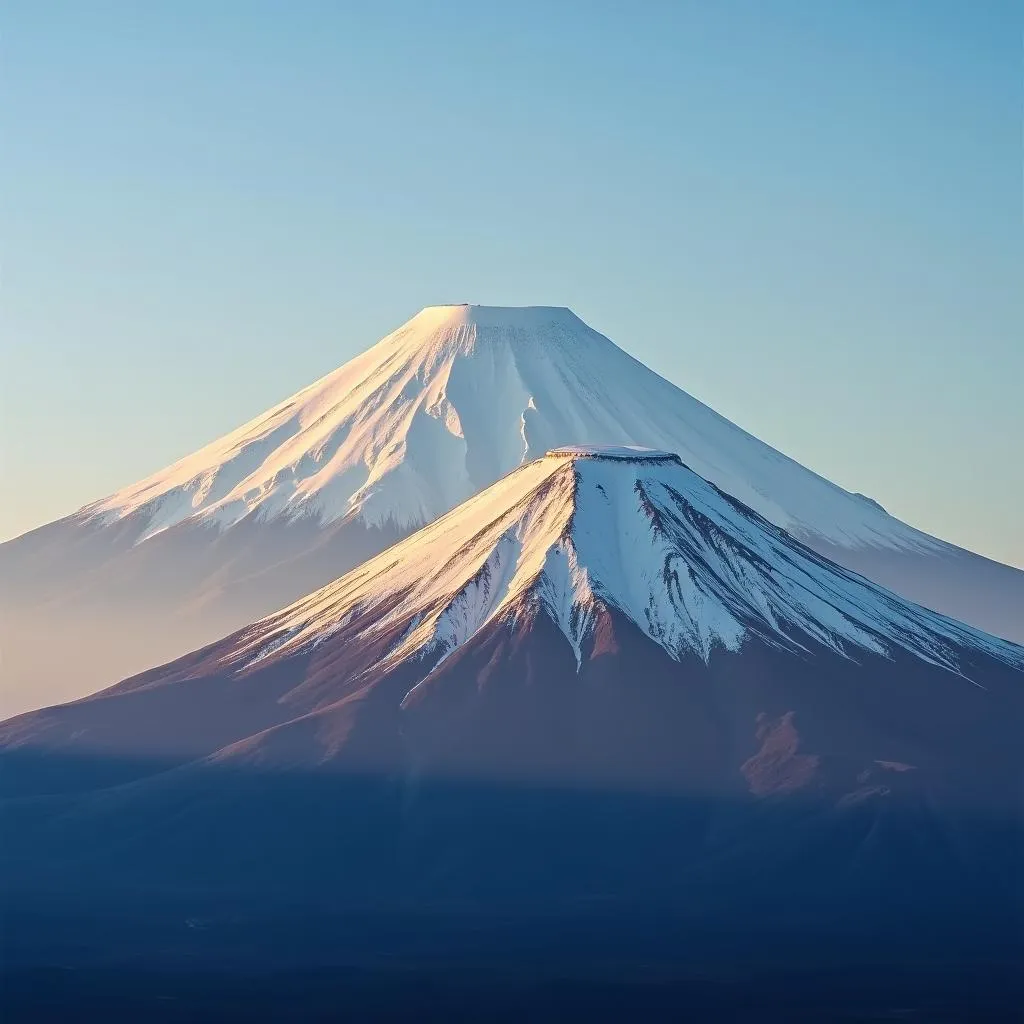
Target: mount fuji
x=437, y=410
x=602, y=682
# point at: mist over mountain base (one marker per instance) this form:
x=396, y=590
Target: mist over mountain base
x=120, y=608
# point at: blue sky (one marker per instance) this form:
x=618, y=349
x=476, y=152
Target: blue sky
x=806, y=214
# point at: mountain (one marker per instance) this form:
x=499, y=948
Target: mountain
x=600, y=685
x=444, y=406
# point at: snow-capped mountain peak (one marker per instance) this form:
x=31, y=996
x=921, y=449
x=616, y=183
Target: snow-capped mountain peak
x=629, y=528
x=456, y=398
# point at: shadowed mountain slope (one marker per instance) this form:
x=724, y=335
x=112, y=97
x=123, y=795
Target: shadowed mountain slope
x=601, y=682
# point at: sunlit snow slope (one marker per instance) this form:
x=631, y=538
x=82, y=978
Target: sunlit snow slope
x=587, y=528
x=454, y=399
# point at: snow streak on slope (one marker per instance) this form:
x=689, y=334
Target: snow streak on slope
x=455, y=399
x=636, y=531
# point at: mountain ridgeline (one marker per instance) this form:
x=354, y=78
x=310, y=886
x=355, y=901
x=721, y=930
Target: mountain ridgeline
x=450, y=402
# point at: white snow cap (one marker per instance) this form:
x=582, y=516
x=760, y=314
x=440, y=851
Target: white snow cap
x=595, y=528
x=456, y=398
x=623, y=452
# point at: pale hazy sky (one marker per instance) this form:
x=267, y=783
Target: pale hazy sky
x=808, y=215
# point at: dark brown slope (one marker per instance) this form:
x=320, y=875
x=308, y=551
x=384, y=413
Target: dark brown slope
x=810, y=791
